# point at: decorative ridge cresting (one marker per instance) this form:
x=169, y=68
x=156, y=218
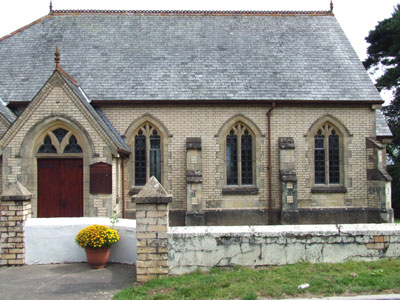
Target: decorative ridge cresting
x=194, y=12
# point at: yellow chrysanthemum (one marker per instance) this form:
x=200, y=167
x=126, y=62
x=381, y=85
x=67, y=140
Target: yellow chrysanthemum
x=97, y=236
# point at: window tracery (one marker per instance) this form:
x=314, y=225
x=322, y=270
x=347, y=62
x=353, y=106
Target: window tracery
x=327, y=155
x=148, y=151
x=60, y=141
x=239, y=155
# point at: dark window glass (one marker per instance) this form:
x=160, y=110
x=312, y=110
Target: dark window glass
x=155, y=155
x=231, y=159
x=247, y=160
x=60, y=133
x=334, y=171
x=319, y=158
x=47, y=146
x=73, y=146
x=140, y=159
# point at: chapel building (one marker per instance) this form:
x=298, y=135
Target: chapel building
x=245, y=118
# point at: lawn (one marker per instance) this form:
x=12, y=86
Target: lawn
x=274, y=282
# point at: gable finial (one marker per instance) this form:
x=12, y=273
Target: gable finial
x=51, y=6
x=331, y=5
x=57, y=58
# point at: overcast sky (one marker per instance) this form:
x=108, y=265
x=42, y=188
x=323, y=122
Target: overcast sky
x=357, y=17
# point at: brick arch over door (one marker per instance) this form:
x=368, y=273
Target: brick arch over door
x=57, y=160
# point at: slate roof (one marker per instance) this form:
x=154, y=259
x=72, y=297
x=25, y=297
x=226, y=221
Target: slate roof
x=97, y=114
x=181, y=56
x=382, y=128
x=7, y=113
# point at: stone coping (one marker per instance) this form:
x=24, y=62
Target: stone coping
x=53, y=222
x=287, y=230
x=16, y=197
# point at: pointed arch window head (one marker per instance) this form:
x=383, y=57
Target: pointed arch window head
x=73, y=146
x=148, y=154
x=60, y=133
x=60, y=141
x=327, y=155
x=47, y=146
x=239, y=156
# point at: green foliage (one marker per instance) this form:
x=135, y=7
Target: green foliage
x=384, y=53
x=273, y=282
x=114, y=218
x=384, y=50
x=250, y=296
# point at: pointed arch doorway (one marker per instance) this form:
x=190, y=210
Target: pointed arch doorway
x=60, y=175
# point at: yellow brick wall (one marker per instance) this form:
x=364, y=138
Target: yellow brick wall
x=194, y=121
x=54, y=103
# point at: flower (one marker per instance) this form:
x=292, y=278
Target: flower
x=96, y=236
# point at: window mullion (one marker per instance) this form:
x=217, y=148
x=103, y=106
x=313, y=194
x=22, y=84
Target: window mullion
x=147, y=156
x=239, y=156
x=326, y=153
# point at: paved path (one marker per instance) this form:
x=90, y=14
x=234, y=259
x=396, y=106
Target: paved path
x=362, y=297
x=64, y=281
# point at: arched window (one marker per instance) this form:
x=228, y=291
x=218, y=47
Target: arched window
x=148, y=162
x=327, y=155
x=59, y=141
x=239, y=156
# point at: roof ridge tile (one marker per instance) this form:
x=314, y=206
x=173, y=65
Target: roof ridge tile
x=194, y=12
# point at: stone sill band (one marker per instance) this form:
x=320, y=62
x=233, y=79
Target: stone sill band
x=240, y=191
x=328, y=189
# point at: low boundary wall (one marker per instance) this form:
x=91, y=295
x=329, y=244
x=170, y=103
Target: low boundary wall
x=52, y=240
x=190, y=248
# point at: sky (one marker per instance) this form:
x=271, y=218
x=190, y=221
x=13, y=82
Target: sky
x=356, y=17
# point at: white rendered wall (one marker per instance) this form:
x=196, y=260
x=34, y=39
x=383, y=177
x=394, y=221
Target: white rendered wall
x=52, y=240
x=191, y=248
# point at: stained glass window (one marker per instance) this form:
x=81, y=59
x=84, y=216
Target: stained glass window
x=239, y=156
x=73, y=146
x=334, y=174
x=319, y=157
x=60, y=133
x=148, y=158
x=231, y=158
x=247, y=160
x=327, y=155
x=155, y=155
x=140, y=159
x=47, y=146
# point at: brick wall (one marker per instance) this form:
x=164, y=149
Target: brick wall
x=55, y=105
x=205, y=122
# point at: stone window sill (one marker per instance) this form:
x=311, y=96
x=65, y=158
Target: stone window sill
x=328, y=189
x=240, y=190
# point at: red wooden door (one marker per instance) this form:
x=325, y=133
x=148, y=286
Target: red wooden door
x=60, y=187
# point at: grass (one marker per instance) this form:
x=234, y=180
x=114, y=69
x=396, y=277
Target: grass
x=273, y=282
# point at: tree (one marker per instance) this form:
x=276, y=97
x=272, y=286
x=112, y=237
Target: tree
x=384, y=54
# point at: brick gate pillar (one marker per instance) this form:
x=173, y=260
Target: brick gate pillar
x=15, y=210
x=152, y=230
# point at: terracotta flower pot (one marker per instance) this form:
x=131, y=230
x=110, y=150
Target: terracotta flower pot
x=97, y=257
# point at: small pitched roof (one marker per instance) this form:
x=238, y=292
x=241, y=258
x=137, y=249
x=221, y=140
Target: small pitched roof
x=7, y=113
x=156, y=55
x=97, y=114
x=382, y=128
